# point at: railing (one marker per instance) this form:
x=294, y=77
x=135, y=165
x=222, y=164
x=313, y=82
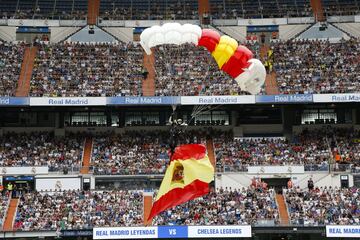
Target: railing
x=316, y=167
x=244, y=167
x=233, y=168
x=118, y=171
x=343, y=167
x=65, y=170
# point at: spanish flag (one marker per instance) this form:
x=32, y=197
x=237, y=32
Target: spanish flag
x=187, y=177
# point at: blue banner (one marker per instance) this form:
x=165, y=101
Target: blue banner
x=143, y=100
x=24, y=29
x=343, y=231
x=263, y=28
x=172, y=232
x=298, y=98
x=14, y=101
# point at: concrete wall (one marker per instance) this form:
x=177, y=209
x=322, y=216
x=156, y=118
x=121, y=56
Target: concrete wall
x=239, y=180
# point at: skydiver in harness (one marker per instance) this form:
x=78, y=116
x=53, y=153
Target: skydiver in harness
x=176, y=131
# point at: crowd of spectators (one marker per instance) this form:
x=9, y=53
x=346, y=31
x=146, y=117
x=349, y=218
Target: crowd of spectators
x=318, y=66
x=346, y=148
x=224, y=207
x=87, y=69
x=232, y=9
x=172, y=10
x=76, y=209
x=136, y=152
x=41, y=149
x=190, y=70
x=310, y=148
x=323, y=206
x=130, y=153
x=4, y=202
x=152, y=10
x=104, y=69
x=42, y=9
x=10, y=65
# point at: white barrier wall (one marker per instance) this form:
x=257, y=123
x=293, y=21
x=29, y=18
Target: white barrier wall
x=51, y=184
x=11, y=171
x=239, y=180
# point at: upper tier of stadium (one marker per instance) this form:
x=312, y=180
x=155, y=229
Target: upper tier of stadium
x=116, y=69
x=171, y=9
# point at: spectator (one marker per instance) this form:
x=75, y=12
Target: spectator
x=290, y=184
x=310, y=184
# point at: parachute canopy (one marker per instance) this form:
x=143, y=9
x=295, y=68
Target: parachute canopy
x=232, y=58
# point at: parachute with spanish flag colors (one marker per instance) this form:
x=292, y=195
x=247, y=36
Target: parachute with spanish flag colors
x=232, y=58
x=187, y=177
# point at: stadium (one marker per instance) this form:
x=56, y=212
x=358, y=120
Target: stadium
x=180, y=119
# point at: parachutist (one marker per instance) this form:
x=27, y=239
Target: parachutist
x=175, y=132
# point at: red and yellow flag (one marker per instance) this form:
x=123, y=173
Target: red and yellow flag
x=187, y=177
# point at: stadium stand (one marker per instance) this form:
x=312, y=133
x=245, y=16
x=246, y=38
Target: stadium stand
x=172, y=10
x=78, y=210
x=10, y=64
x=43, y=9
x=310, y=148
x=4, y=202
x=109, y=75
x=192, y=72
x=323, y=206
x=326, y=68
x=41, y=149
x=152, y=10
x=339, y=8
x=120, y=154
x=231, y=9
x=225, y=207
x=106, y=70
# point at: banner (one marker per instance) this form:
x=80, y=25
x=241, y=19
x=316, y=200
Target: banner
x=343, y=231
x=68, y=101
x=143, y=100
x=205, y=100
x=276, y=169
x=341, y=97
x=219, y=232
x=300, y=98
x=14, y=101
x=171, y=232
x=125, y=233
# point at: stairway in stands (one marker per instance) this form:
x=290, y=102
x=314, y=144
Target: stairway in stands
x=148, y=201
x=271, y=86
x=318, y=10
x=10, y=215
x=27, y=65
x=87, y=155
x=93, y=11
x=211, y=151
x=284, y=216
x=203, y=7
x=148, y=83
